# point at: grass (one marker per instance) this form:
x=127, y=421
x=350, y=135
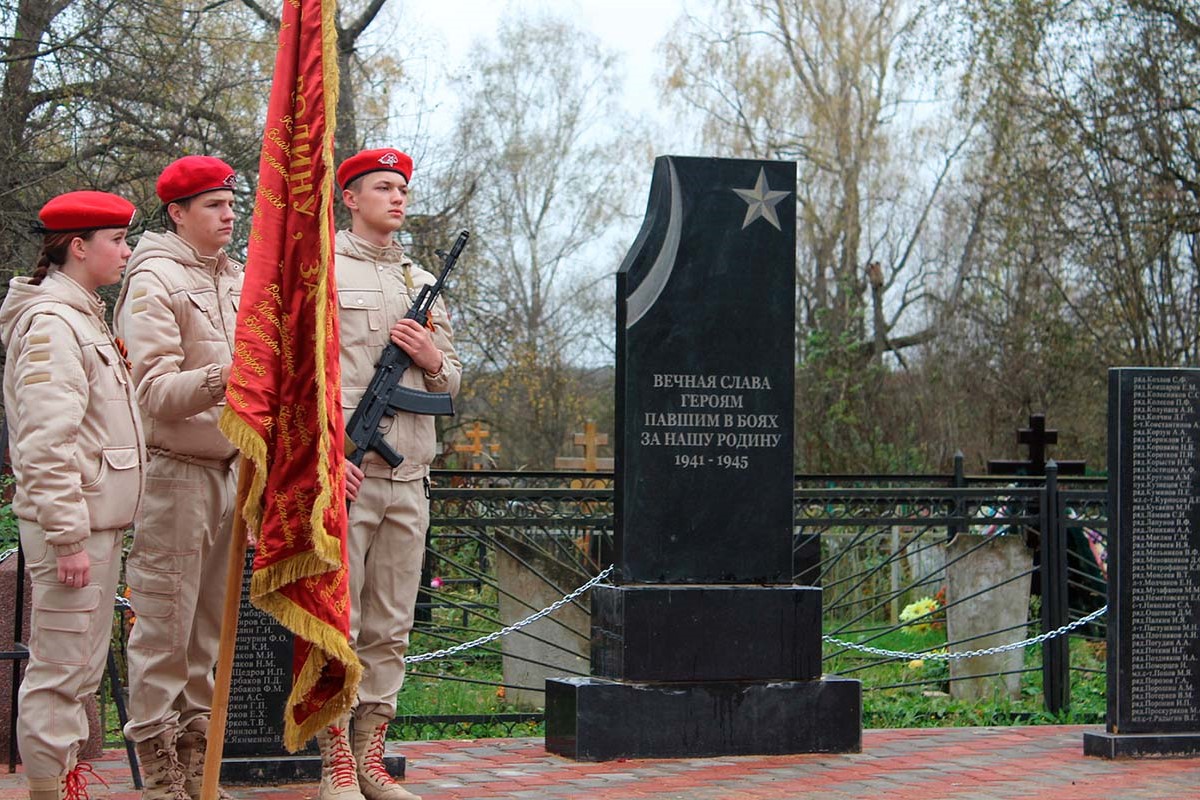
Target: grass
x=930, y=704
x=467, y=685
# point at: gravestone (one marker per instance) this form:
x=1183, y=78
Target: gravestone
x=702, y=645
x=1153, y=565
x=987, y=604
x=258, y=692
x=530, y=577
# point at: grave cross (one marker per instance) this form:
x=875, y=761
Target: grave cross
x=475, y=449
x=1036, y=437
x=591, y=443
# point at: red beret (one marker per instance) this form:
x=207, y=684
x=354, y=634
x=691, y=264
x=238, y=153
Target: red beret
x=387, y=159
x=85, y=211
x=193, y=175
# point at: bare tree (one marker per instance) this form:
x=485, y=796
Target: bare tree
x=354, y=72
x=101, y=94
x=548, y=184
x=824, y=82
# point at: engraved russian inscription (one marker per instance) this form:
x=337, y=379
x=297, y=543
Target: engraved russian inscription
x=262, y=678
x=1165, y=593
x=725, y=431
x=1155, y=470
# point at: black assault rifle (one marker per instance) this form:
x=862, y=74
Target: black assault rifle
x=385, y=396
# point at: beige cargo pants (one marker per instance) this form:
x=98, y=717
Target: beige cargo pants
x=176, y=574
x=68, y=648
x=386, y=544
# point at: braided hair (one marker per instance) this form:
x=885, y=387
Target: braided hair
x=54, y=252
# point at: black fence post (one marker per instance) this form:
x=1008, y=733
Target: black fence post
x=960, y=480
x=1056, y=658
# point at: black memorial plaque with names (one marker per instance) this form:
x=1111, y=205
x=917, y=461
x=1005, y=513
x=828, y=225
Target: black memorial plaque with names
x=706, y=376
x=262, y=679
x=1154, y=564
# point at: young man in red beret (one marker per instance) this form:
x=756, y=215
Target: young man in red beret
x=377, y=284
x=176, y=312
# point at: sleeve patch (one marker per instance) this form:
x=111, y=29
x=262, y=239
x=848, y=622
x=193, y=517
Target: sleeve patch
x=138, y=293
x=37, y=377
x=41, y=355
x=39, y=339
x=138, y=308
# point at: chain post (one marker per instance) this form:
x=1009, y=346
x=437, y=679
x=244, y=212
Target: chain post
x=1056, y=658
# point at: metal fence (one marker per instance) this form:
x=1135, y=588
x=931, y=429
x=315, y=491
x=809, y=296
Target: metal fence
x=883, y=548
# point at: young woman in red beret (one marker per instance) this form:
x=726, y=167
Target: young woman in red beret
x=75, y=439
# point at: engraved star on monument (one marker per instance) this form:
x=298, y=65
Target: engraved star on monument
x=761, y=201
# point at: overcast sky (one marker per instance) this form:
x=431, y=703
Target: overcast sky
x=631, y=28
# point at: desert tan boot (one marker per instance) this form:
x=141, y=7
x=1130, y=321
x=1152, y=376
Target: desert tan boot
x=190, y=748
x=69, y=786
x=373, y=778
x=339, y=773
x=48, y=788
x=162, y=775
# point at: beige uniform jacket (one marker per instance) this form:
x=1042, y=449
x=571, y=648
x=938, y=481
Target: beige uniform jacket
x=177, y=313
x=373, y=294
x=75, y=437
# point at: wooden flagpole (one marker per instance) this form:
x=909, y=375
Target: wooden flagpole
x=229, y=622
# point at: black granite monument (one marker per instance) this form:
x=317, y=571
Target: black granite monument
x=1153, y=565
x=702, y=645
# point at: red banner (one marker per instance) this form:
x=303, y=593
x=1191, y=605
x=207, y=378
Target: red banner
x=284, y=408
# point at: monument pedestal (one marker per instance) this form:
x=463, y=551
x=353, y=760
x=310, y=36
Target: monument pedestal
x=303, y=768
x=595, y=719
x=1103, y=744
x=710, y=632
x=703, y=670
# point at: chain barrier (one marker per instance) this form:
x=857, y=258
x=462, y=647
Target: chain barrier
x=491, y=637
x=123, y=603
x=988, y=651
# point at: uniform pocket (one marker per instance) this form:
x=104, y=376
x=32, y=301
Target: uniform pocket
x=112, y=496
x=360, y=316
x=110, y=378
x=154, y=578
x=62, y=618
x=203, y=303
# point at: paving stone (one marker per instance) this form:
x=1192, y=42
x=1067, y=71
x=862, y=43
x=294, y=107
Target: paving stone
x=919, y=764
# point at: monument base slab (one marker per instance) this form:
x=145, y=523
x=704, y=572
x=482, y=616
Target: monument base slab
x=274, y=770
x=690, y=632
x=1141, y=745
x=593, y=719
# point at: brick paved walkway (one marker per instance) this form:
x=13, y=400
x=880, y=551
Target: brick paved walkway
x=923, y=764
